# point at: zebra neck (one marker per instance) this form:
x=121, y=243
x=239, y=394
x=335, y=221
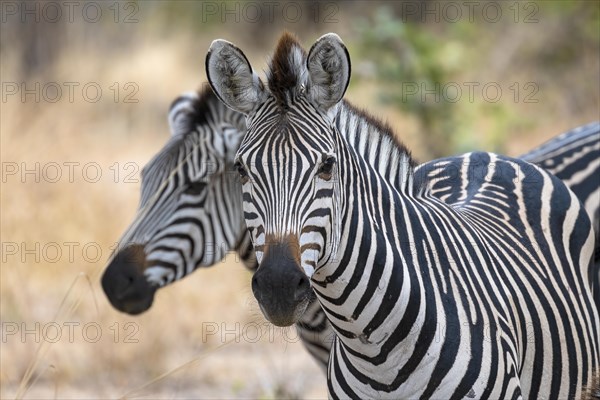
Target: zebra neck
x=227, y=226
x=375, y=171
x=373, y=281
x=374, y=250
x=224, y=115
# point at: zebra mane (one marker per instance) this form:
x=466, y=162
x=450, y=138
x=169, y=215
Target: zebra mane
x=380, y=127
x=376, y=141
x=287, y=69
x=191, y=109
x=186, y=113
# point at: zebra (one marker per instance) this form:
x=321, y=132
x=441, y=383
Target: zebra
x=574, y=158
x=186, y=113
x=464, y=278
x=190, y=215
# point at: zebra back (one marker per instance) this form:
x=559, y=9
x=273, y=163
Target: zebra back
x=574, y=158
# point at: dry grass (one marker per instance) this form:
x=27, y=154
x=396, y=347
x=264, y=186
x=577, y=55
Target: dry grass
x=171, y=358
x=170, y=336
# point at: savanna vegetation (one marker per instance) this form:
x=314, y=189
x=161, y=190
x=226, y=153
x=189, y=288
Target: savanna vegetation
x=84, y=104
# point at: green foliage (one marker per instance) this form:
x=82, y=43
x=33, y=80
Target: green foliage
x=420, y=72
x=420, y=65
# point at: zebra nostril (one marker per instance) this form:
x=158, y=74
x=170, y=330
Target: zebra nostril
x=301, y=283
x=302, y=287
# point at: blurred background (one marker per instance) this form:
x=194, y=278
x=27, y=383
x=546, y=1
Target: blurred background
x=85, y=91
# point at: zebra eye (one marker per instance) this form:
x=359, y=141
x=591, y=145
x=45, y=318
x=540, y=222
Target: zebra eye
x=326, y=167
x=195, y=188
x=242, y=171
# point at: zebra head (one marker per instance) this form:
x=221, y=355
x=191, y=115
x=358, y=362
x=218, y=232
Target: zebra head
x=190, y=211
x=288, y=162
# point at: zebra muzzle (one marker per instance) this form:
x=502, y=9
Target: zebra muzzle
x=124, y=282
x=280, y=286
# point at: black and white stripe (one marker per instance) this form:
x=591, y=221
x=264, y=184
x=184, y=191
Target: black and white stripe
x=189, y=111
x=574, y=158
x=465, y=278
x=190, y=212
x=194, y=114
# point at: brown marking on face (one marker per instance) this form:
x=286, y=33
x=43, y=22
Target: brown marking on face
x=291, y=242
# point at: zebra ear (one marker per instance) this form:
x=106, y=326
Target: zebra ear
x=231, y=77
x=328, y=65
